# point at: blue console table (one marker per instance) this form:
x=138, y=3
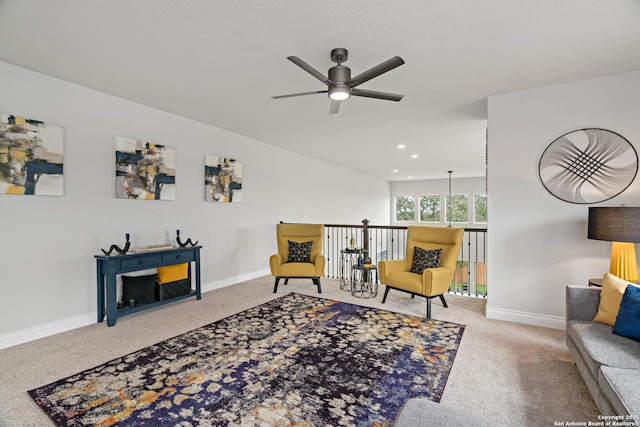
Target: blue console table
x=110, y=266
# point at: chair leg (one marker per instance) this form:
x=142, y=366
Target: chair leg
x=428, y=308
x=386, y=291
x=316, y=281
x=286, y=281
x=444, y=303
x=275, y=287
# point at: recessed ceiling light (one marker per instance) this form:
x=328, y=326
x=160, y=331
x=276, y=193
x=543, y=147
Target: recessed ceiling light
x=395, y=170
x=401, y=146
x=414, y=156
x=410, y=177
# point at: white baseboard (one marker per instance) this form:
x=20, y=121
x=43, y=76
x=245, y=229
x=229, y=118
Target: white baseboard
x=47, y=329
x=233, y=280
x=554, y=322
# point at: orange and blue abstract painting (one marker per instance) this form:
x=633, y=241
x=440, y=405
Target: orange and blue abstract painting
x=144, y=170
x=222, y=179
x=31, y=157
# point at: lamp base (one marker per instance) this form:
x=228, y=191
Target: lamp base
x=623, y=261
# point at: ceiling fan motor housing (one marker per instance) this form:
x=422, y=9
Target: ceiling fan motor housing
x=339, y=74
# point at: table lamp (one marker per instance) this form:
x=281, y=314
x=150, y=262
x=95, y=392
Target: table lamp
x=621, y=226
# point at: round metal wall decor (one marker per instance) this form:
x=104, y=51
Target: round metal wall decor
x=588, y=166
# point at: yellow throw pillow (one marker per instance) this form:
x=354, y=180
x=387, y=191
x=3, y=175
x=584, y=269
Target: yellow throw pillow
x=179, y=272
x=610, y=297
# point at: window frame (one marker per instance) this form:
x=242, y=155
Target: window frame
x=395, y=208
x=474, y=208
x=446, y=216
x=420, y=197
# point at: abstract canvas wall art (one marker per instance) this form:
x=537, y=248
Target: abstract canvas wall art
x=222, y=179
x=588, y=166
x=144, y=170
x=31, y=157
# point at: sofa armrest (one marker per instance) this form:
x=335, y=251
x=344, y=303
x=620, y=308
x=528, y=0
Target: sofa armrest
x=582, y=303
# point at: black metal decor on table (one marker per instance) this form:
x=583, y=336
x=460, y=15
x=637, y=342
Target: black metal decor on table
x=122, y=251
x=185, y=244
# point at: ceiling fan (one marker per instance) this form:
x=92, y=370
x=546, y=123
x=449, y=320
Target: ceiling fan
x=340, y=84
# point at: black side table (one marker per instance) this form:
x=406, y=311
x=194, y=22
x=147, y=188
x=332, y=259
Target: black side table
x=365, y=281
x=348, y=258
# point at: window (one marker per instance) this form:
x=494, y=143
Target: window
x=405, y=208
x=457, y=209
x=480, y=208
x=430, y=208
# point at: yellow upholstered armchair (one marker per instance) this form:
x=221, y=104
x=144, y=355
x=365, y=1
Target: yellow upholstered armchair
x=299, y=253
x=427, y=270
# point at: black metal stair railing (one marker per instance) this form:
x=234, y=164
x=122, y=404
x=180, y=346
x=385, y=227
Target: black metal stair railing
x=389, y=242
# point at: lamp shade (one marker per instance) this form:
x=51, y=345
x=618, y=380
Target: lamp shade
x=614, y=224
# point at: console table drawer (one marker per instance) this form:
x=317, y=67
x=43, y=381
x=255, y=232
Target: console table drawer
x=138, y=263
x=170, y=259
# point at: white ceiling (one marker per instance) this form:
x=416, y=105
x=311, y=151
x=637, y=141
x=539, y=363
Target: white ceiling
x=219, y=62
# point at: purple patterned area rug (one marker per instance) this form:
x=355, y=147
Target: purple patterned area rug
x=296, y=360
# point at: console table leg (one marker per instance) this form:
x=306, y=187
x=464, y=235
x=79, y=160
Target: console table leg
x=100, y=292
x=112, y=306
x=198, y=284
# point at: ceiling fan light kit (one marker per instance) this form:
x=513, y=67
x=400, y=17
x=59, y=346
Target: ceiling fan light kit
x=339, y=93
x=340, y=85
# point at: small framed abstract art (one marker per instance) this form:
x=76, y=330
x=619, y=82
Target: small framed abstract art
x=222, y=179
x=144, y=170
x=588, y=166
x=31, y=157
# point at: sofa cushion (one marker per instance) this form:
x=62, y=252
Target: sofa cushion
x=599, y=346
x=621, y=388
x=628, y=320
x=612, y=291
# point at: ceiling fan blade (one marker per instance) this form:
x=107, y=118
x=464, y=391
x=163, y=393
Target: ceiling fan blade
x=299, y=94
x=309, y=69
x=335, y=107
x=376, y=94
x=387, y=65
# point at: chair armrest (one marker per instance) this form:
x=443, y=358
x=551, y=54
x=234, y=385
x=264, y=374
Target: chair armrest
x=582, y=303
x=437, y=280
x=320, y=262
x=275, y=261
x=386, y=267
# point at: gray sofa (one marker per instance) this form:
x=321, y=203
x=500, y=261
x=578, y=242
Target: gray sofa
x=608, y=363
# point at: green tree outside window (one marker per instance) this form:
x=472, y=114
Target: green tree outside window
x=405, y=208
x=457, y=208
x=430, y=208
x=480, y=208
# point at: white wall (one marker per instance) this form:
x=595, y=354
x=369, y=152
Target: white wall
x=47, y=268
x=538, y=243
x=416, y=188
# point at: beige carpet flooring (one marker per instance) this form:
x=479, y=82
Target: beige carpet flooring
x=517, y=374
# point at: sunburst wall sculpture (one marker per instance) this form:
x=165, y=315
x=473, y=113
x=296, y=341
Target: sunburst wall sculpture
x=588, y=166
